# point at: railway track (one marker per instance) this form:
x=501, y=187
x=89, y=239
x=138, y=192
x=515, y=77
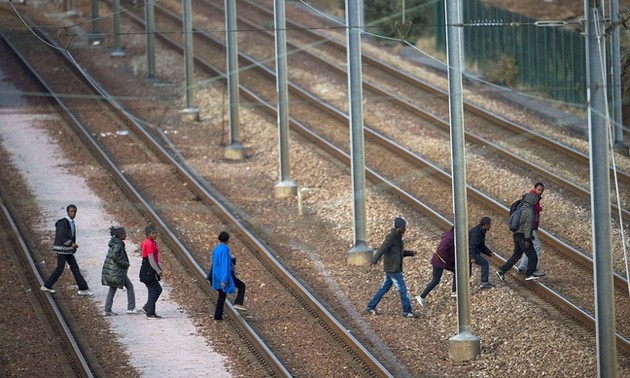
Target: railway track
x=67, y=342
x=311, y=125
x=313, y=325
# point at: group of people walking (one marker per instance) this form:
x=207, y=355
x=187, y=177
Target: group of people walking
x=526, y=245
x=116, y=266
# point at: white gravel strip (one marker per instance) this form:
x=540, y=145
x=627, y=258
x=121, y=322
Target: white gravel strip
x=168, y=347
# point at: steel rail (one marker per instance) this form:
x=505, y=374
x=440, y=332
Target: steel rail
x=414, y=109
x=200, y=187
x=381, y=181
x=426, y=87
x=563, y=247
x=73, y=354
x=268, y=358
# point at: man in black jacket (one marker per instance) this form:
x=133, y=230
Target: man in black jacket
x=393, y=252
x=477, y=248
x=65, y=246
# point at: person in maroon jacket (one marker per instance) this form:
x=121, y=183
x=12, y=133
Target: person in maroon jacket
x=443, y=258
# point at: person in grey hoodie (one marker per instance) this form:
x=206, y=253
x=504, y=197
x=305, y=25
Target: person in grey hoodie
x=523, y=240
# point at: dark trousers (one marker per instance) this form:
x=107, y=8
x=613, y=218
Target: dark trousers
x=155, y=289
x=74, y=267
x=240, y=298
x=519, y=249
x=437, y=276
x=149, y=277
x=485, y=267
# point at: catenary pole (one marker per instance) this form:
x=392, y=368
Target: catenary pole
x=599, y=154
x=285, y=187
x=149, y=20
x=360, y=253
x=189, y=113
x=234, y=151
x=117, y=52
x=615, y=74
x=95, y=38
x=464, y=346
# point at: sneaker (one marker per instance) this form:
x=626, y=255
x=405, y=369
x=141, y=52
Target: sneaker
x=410, y=315
x=144, y=310
x=44, y=288
x=453, y=294
x=240, y=307
x=501, y=275
x=531, y=278
x=371, y=311
x=135, y=311
x=85, y=293
x=538, y=274
x=486, y=285
x=153, y=317
x=109, y=313
x=422, y=301
x=520, y=271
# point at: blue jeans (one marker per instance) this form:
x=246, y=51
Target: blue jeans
x=485, y=268
x=398, y=281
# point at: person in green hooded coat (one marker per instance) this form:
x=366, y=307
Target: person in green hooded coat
x=114, y=272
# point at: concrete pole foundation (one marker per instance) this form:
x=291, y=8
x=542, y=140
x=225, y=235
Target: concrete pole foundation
x=190, y=115
x=360, y=254
x=463, y=347
x=285, y=189
x=234, y=152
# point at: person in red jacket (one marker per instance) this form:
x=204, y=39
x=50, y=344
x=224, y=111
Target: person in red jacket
x=443, y=258
x=151, y=271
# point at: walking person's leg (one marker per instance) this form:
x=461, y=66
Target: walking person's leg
x=519, y=241
x=76, y=272
x=533, y=259
x=485, y=269
x=384, y=288
x=61, y=264
x=240, y=295
x=218, y=312
x=537, y=247
x=152, y=287
x=131, y=294
x=109, y=301
x=437, y=276
x=399, y=282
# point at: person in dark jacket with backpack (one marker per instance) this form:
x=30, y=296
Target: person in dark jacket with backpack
x=477, y=247
x=65, y=247
x=443, y=258
x=523, y=239
x=393, y=253
x=114, y=273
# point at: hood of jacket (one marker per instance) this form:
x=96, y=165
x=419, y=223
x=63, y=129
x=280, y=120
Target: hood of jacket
x=530, y=199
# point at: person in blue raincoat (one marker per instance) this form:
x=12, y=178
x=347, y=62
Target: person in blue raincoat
x=223, y=278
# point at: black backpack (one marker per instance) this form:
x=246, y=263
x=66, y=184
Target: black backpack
x=515, y=215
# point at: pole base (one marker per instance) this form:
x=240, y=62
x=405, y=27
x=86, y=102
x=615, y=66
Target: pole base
x=234, y=152
x=463, y=347
x=190, y=115
x=285, y=189
x=360, y=254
